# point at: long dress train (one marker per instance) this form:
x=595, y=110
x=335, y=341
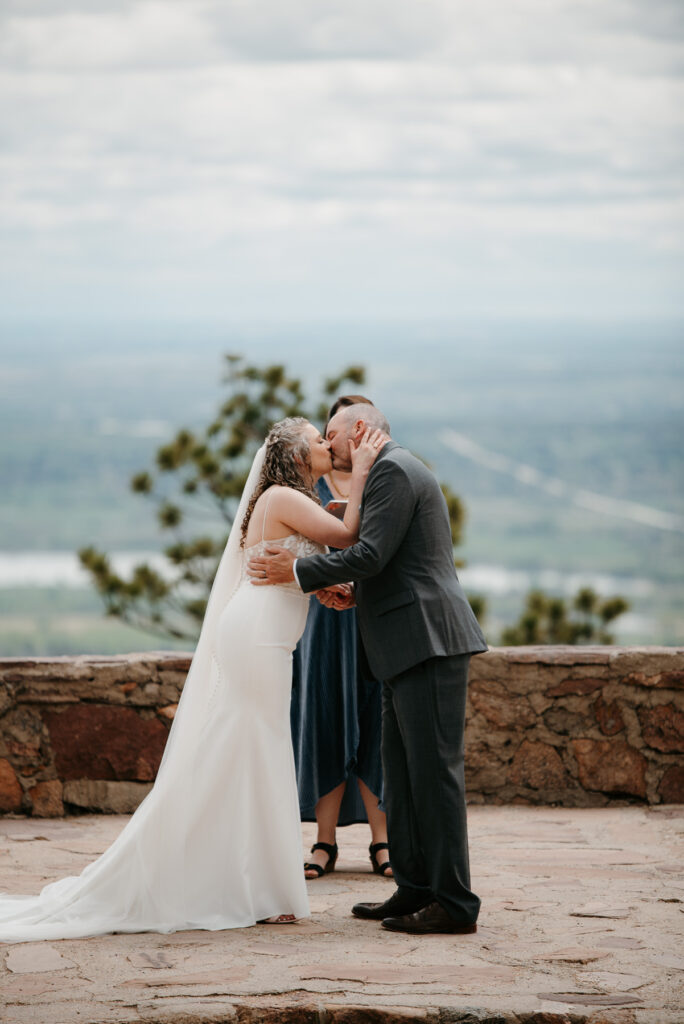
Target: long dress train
x=217, y=842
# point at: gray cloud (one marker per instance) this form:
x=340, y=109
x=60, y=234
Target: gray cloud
x=231, y=148
x=662, y=20
x=309, y=30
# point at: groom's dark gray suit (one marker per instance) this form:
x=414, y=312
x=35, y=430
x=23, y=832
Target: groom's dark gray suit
x=418, y=632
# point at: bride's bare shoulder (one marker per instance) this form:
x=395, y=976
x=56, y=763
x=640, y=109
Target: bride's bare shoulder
x=274, y=493
x=280, y=503
x=282, y=496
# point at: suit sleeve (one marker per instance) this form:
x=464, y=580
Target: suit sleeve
x=388, y=507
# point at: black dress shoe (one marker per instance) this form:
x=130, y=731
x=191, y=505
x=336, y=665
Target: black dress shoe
x=399, y=903
x=432, y=918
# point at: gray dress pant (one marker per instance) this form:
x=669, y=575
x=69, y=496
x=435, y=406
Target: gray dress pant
x=423, y=723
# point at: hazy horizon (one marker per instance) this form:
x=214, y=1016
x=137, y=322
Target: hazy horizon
x=564, y=444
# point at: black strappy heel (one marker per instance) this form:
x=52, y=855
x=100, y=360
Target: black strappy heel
x=379, y=869
x=332, y=852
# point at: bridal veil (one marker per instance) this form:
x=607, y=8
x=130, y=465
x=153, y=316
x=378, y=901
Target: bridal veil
x=146, y=880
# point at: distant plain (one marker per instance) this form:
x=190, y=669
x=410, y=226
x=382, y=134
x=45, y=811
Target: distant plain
x=595, y=407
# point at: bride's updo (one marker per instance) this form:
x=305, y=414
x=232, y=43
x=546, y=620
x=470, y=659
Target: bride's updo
x=287, y=462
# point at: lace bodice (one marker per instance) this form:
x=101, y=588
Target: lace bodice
x=300, y=546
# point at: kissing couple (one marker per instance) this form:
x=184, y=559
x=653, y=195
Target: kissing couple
x=199, y=852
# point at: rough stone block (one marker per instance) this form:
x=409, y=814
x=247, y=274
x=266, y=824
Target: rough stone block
x=24, y=726
x=545, y=1018
x=673, y=680
x=671, y=786
x=538, y=766
x=612, y=1017
x=573, y=685
x=174, y=663
x=107, y=797
x=608, y=716
x=486, y=780
x=649, y=660
x=92, y=741
x=469, y=1015
x=46, y=799
x=500, y=708
x=565, y=722
x=610, y=767
x=662, y=727
x=368, y=1015
x=11, y=793
x=6, y=697
x=539, y=702
x=25, y=757
x=556, y=654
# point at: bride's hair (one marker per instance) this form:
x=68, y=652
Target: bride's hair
x=287, y=462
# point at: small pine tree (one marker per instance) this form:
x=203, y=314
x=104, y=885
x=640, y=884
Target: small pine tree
x=582, y=619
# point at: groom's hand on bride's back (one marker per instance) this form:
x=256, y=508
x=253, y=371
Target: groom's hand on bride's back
x=275, y=566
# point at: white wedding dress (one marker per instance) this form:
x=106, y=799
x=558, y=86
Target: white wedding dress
x=217, y=841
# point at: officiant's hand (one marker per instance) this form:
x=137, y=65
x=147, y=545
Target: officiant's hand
x=340, y=597
x=273, y=567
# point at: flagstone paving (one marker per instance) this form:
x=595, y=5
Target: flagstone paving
x=582, y=919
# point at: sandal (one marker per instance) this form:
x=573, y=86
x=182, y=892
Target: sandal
x=280, y=919
x=332, y=852
x=379, y=869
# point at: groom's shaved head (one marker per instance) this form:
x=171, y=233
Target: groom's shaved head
x=371, y=416
x=347, y=427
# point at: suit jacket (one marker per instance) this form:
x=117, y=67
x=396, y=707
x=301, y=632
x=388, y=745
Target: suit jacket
x=410, y=605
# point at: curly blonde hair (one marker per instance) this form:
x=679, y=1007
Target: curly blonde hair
x=287, y=462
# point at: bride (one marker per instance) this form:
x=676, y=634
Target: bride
x=217, y=842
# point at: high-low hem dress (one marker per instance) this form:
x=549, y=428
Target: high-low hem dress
x=336, y=713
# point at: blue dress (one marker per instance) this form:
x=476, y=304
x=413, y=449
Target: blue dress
x=335, y=714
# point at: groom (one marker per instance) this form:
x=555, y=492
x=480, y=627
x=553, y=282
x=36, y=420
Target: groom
x=419, y=632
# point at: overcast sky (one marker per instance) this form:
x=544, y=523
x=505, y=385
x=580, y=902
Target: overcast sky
x=254, y=158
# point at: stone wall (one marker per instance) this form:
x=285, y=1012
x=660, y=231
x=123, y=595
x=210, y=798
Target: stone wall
x=577, y=726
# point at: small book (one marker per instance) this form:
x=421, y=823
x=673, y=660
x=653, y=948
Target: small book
x=337, y=508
